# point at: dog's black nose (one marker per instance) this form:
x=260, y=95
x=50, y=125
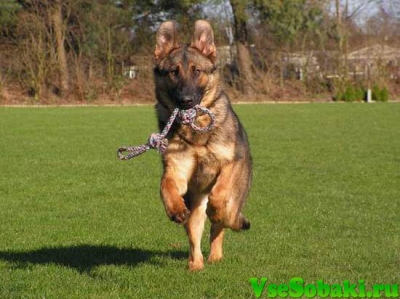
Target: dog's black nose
x=186, y=102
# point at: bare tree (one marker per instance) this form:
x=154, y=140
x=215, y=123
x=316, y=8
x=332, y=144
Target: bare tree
x=243, y=55
x=345, y=13
x=59, y=32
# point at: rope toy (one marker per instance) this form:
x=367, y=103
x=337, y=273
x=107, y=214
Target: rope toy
x=158, y=140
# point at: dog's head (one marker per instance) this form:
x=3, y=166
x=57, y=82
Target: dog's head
x=184, y=74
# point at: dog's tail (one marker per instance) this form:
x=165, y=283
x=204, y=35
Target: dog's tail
x=244, y=222
x=241, y=223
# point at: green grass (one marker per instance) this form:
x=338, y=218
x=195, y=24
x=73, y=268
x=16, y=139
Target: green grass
x=75, y=222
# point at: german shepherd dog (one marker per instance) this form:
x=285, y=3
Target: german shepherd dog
x=205, y=174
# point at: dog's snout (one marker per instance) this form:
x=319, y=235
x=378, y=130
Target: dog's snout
x=186, y=101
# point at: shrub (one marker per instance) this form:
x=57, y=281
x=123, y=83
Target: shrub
x=349, y=94
x=361, y=94
x=375, y=93
x=384, y=94
x=380, y=94
x=338, y=96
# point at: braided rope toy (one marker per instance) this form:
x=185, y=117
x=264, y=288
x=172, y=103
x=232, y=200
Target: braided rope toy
x=158, y=140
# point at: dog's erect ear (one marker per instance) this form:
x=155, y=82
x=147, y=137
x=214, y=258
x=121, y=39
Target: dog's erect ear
x=166, y=39
x=203, y=39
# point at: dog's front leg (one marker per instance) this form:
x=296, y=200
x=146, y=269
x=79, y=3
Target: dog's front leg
x=172, y=190
x=174, y=185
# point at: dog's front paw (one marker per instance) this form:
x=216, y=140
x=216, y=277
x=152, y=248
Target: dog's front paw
x=179, y=215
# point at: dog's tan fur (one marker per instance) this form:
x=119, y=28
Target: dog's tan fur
x=205, y=174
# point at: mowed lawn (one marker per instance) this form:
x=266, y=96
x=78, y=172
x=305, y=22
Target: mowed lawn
x=75, y=222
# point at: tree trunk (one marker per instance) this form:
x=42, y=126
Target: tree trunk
x=59, y=33
x=245, y=69
x=340, y=37
x=245, y=64
x=346, y=41
x=304, y=67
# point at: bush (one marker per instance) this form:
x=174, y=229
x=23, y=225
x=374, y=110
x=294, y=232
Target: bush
x=380, y=94
x=350, y=94
x=384, y=94
x=361, y=94
x=338, y=96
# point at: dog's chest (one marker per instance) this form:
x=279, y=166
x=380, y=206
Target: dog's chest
x=192, y=137
x=206, y=153
x=209, y=161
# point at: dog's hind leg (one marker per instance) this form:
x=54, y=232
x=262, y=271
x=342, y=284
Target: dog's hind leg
x=228, y=196
x=194, y=229
x=216, y=239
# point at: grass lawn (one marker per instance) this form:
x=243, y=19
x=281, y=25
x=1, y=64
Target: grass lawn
x=75, y=222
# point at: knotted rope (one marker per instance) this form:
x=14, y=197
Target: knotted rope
x=158, y=140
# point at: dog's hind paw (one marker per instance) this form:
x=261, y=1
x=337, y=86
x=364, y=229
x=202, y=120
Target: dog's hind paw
x=196, y=265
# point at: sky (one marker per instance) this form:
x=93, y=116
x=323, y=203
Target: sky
x=371, y=7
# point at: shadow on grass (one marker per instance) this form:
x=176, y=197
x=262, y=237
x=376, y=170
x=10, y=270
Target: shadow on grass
x=86, y=257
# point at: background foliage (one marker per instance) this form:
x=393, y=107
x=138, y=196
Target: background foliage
x=80, y=50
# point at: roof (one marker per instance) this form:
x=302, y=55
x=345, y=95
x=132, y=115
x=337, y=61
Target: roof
x=376, y=52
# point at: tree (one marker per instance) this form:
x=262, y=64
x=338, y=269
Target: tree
x=243, y=55
x=45, y=33
x=290, y=23
x=57, y=20
x=149, y=14
x=8, y=19
x=383, y=25
x=345, y=14
x=61, y=41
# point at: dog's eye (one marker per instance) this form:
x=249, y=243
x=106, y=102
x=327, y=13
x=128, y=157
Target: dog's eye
x=174, y=72
x=196, y=72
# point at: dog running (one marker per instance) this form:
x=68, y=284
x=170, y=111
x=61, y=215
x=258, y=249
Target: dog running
x=205, y=174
